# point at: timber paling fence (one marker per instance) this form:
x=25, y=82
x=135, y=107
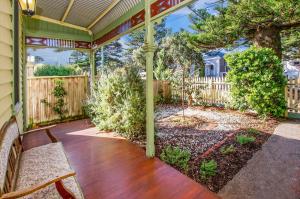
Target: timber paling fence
x=205, y=90
x=162, y=88
x=40, y=89
x=292, y=93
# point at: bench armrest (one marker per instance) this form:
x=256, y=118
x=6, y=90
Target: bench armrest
x=58, y=183
x=47, y=130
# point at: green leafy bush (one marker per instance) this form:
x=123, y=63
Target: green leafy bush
x=258, y=81
x=225, y=150
x=208, y=169
x=176, y=157
x=242, y=139
x=51, y=70
x=117, y=103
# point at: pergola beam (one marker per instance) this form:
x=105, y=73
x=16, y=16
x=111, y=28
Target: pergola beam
x=67, y=10
x=42, y=18
x=111, y=6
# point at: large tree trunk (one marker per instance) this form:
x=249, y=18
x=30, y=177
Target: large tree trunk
x=269, y=37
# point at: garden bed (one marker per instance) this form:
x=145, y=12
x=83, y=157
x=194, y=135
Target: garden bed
x=203, y=132
x=230, y=163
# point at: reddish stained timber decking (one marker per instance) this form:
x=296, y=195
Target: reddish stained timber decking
x=116, y=168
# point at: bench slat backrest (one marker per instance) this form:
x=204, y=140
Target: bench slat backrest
x=10, y=152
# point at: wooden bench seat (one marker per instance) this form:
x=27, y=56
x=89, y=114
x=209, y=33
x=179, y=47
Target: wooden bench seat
x=41, y=172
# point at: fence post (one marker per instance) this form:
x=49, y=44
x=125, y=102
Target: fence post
x=286, y=114
x=211, y=90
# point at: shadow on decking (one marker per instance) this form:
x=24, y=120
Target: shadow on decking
x=111, y=167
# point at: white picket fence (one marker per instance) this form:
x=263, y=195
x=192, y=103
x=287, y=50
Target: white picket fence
x=215, y=90
x=292, y=93
x=207, y=90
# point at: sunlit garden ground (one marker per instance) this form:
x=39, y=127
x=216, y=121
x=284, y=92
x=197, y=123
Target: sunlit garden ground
x=213, y=135
x=233, y=57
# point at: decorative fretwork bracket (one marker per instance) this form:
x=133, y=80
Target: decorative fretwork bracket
x=57, y=43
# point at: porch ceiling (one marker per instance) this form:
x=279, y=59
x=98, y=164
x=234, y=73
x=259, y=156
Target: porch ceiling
x=94, y=15
x=95, y=21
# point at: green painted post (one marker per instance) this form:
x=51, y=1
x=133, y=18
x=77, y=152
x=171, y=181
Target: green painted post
x=93, y=66
x=149, y=48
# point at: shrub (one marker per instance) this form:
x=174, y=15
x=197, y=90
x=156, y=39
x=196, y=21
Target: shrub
x=176, y=157
x=253, y=131
x=208, y=169
x=242, y=139
x=225, y=150
x=117, y=103
x=258, y=81
x=51, y=70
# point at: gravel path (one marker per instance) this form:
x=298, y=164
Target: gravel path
x=194, y=139
x=197, y=139
x=225, y=120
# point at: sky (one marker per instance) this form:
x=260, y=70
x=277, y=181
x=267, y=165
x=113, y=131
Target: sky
x=50, y=56
x=176, y=21
x=180, y=19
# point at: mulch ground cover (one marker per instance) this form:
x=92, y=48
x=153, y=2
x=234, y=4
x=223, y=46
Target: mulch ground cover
x=228, y=164
x=198, y=135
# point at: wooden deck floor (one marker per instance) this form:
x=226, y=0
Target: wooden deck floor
x=116, y=168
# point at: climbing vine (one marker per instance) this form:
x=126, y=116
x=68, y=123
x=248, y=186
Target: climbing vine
x=59, y=92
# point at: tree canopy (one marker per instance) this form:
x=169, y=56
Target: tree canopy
x=81, y=59
x=135, y=53
x=179, y=53
x=112, y=56
x=291, y=43
x=240, y=21
x=136, y=38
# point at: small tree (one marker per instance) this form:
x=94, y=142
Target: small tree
x=257, y=81
x=184, y=57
